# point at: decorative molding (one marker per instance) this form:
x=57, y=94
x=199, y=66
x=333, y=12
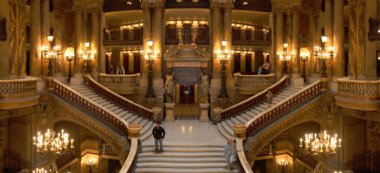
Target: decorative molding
x=255, y=143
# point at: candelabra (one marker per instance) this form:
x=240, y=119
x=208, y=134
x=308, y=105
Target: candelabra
x=90, y=163
x=52, y=142
x=304, y=57
x=323, y=54
x=50, y=53
x=69, y=57
x=320, y=145
x=87, y=55
x=283, y=163
x=223, y=56
x=39, y=170
x=285, y=57
x=150, y=57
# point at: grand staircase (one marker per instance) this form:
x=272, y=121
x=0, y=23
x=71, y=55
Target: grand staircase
x=185, y=158
x=129, y=117
x=225, y=126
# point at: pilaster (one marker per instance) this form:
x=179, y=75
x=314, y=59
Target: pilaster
x=338, y=60
x=4, y=45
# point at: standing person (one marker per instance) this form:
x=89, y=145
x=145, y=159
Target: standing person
x=158, y=134
x=269, y=98
x=266, y=67
x=260, y=70
x=230, y=153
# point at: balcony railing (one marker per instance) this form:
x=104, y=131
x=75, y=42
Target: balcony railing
x=74, y=97
x=121, y=84
x=252, y=84
x=254, y=100
x=119, y=100
x=187, y=4
x=17, y=93
x=117, y=36
x=358, y=94
x=281, y=108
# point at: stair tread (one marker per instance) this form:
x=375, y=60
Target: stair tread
x=181, y=165
x=184, y=149
x=180, y=154
x=184, y=170
x=227, y=128
x=181, y=160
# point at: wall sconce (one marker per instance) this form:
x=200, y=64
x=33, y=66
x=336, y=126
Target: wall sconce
x=69, y=56
x=87, y=55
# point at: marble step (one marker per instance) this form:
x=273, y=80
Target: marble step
x=145, y=134
x=242, y=119
x=182, y=160
x=184, y=149
x=181, y=154
x=227, y=128
x=223, y=131
x=181, y=170
x=188, y=165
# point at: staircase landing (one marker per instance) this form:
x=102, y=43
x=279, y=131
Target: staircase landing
x=190, y=146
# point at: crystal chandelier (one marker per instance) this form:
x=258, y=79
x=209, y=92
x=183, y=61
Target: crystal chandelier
x=50, y=52
x=321, y=143
x=52, y=142
x=39, y=170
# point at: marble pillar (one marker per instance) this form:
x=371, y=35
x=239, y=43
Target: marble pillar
x=338, y=59
x=329, y=30
x=273, y=50
x=362, y=52
x=95, y=40
x=4, y=45
x=279, y=39
x=78, y=78
x=102, y=51
x=157, y=34
x=59, y=65
x=310, y=63
x=45, y=30
x=216, y=38
x=296, y=76
x=227, y=34
x=147, y=35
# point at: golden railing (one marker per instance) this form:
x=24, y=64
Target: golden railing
x=270, y=115
x=358, y=94
x=119, y=100
x=252, y=84
x=18, y=93
x=254, y=100
x=121, y=84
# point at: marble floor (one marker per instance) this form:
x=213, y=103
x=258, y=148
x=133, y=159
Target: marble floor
x=190, y=132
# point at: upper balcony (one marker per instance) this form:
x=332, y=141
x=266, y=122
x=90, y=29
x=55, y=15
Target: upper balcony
x=124, y=35
x=187, y=4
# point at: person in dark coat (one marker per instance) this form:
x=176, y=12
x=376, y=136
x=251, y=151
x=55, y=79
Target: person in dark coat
x=158, y=134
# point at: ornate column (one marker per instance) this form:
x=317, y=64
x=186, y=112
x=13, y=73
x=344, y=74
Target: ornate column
x=4, y=45
x=338, y=60
x=157, y=34
x=329, y=28
x=296, y=77
x=45, y=29
x=227, y=32
x=279, y=39
x=78, y=78
x=102, y=51
x=95, y=38
x=362, y=51
x=273, y=50
x=216, y=36
x=147, y=32
x=60, y=68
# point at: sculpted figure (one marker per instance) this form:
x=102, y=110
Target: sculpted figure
x=169, y=86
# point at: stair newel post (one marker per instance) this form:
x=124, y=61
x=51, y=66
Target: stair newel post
x=133, y=134
x=240, y=131
x=157, y=114
x=216, y=115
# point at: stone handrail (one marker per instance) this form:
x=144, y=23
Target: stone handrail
x=359, y=89
x=119, y=100
x=74, y=97
x=243, y=162
x=252, y=84
x=254, y=100
x=121, y=84
x=284, y=106
x=18, y=88
x=131, y=159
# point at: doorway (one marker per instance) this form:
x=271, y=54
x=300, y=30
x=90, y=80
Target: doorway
x=186, y=94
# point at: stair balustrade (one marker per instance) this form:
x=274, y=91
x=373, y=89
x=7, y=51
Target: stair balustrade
x=119, y=100
x=17, y=93
x=252, y=84
x=254, y=100
x=72, y=96
x=121, y=84
x=283, y=107
x=350, y=91
x=130, y=162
